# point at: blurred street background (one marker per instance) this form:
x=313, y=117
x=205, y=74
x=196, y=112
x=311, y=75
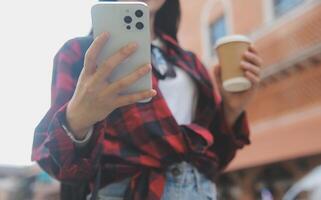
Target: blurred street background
x=284, y=159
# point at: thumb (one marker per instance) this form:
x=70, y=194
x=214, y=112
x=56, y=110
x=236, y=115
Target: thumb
x=217, y=75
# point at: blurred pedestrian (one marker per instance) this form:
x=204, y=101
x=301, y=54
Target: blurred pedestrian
x=309, y=187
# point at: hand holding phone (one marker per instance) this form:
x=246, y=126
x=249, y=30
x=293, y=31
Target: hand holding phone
x=126, y=22
x=123, y=62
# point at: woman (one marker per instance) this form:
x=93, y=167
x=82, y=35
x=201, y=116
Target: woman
x=170, y=148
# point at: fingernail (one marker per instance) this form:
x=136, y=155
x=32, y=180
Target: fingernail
x=153, y=92
x=147, y=68
x=105, y=34
x=243, y=63
x=132, y=45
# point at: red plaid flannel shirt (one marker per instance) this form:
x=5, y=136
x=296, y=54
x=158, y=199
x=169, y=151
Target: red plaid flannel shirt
x=140, y=140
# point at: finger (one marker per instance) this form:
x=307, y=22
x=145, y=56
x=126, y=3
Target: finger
x=128, y=80
x=253, y=58
x=250, y=67
x=109, y=65
x=218, y=76
x=253, y=50
x=217, y=73
x=93, y=52
x=133, y=98
x=255, y=80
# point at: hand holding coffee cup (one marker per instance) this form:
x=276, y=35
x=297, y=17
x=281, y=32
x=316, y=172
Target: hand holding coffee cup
x=230, y=50
x=237, y=75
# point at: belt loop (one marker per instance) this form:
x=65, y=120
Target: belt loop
x=97, y=185
x=197, y=179
x=98, y=176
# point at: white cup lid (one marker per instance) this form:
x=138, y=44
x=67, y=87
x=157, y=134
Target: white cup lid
x=232, y=38
x=237, y=84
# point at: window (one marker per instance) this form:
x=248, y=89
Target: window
x=217, y=30
x=283, y=6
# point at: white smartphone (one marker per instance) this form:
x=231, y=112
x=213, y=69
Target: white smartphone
x=126, y=22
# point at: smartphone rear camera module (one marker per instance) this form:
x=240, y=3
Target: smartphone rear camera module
x=139, y=13
x=128, y=19
x=139, y=25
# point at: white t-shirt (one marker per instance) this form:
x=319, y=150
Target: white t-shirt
x=180, y=94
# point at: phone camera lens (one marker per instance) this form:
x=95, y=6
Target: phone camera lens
x=128, y=19
x=128, y=27
x=139, y=13
x=139, y=25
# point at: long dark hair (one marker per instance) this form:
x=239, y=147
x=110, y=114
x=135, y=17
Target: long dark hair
x=167, y=18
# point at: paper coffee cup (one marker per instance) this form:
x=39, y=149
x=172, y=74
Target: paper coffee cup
x=230, y=50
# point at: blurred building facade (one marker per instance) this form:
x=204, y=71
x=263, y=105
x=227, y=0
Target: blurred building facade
x=27, y=183
x=285, y=116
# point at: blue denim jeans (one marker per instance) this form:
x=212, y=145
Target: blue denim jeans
x=183, y=182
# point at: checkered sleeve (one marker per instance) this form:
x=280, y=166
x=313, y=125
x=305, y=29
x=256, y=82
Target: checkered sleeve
x=227, y=140
x=53, y=149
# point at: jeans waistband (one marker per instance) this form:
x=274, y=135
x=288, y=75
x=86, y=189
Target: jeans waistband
x=182, y=166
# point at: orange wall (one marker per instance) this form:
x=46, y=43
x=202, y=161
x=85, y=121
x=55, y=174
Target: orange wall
x=190, y=28
x=247, y=15
x=245, y=20
x=290, y=92
x=216, y=12
x=287, y=92
x=290, y=137
x=278, y=44
x=292, y=37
